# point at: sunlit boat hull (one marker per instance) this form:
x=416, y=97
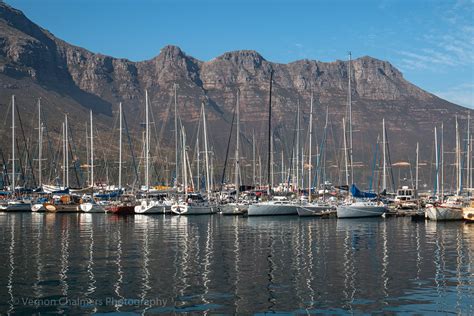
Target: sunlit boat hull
x=313, y=209
x=437, y=213
x=38, y=207
x=185, y=209
x=234, y=209
x=149, y=208
x=468, y=214
x=59, y=208
x=91, y=208
x=270, y=209
x=356, y=211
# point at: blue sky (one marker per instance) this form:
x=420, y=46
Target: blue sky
x=431, y=42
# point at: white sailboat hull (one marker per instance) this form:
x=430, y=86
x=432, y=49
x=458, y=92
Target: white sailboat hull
x=194, y=209
x=149, y=208
x=313, y=209
x=234, y=209
x=91, y=208
x=362, y=210
x=437, y=213
x=272, y=209
x=38, y=207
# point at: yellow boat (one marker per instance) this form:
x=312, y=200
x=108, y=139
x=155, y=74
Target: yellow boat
x=468, y=212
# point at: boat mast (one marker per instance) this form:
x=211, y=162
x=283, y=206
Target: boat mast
x=302, y=168
x=40, y=144
x=297, y=162
x=282, y=168
x=147, y=143
x=87, y=154
x=442, y=161
x=176, y=133
x=64, y=156
x=350, y=120
x=269, y=132
x=271, y=162
x=13, y=145
x=185, y=171
x=322, y=153
x=208, y=183
x=345, y=151
x=237, y=162
x=437, y=189
x=120, y=147
x=468, y=152
x=254, y=179
x=458, y=159
x=417, y=167
x=198, y=158
x=66, y=142
x=92, y=152
x=310, y=142
x=384, y=172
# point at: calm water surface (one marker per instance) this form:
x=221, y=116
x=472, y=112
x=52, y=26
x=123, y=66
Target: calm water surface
x=99, y=263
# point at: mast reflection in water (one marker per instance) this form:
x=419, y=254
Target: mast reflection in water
x=96, y=263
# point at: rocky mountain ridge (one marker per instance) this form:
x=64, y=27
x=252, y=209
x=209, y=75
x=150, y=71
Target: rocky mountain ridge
x=69, y=79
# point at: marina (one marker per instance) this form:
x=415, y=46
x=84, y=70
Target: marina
x=100, y=263
x=299, y=158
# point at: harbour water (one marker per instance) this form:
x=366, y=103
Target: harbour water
x=100, y=263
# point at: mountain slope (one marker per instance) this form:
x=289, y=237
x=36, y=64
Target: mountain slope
x=69, y=79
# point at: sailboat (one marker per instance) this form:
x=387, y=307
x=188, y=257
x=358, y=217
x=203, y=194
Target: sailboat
x=237, y=207
x=353, y=207
x=310, y=208
x=88, y=203
x=452, y=209
x=195, y=203
x=63, y=201
x=125, y=203
x=37, y=204
x=15, y=205
x=148, y=205
x=279, y=205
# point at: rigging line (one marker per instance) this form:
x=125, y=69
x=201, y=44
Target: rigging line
x=130, y=144
x=103, y=172
x=72, y=149
x=389, y=159
x=227, y=150
x=6, y=179
x=53, y=165
x=290, y=158
x=22, y=172
x=28, y=158
x=374, y=165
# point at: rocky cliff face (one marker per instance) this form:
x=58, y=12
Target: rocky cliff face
x=34, y=63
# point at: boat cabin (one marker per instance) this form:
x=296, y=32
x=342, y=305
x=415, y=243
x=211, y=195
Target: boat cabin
x=406, y=198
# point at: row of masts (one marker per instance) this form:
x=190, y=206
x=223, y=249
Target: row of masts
x=237, y=177
x=348, y=149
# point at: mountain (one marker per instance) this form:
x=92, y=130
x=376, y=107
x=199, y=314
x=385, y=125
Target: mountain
x=69, y=79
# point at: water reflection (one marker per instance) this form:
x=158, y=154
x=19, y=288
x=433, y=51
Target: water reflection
x=217, y=264
x=118, y=263
x=11, y=262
